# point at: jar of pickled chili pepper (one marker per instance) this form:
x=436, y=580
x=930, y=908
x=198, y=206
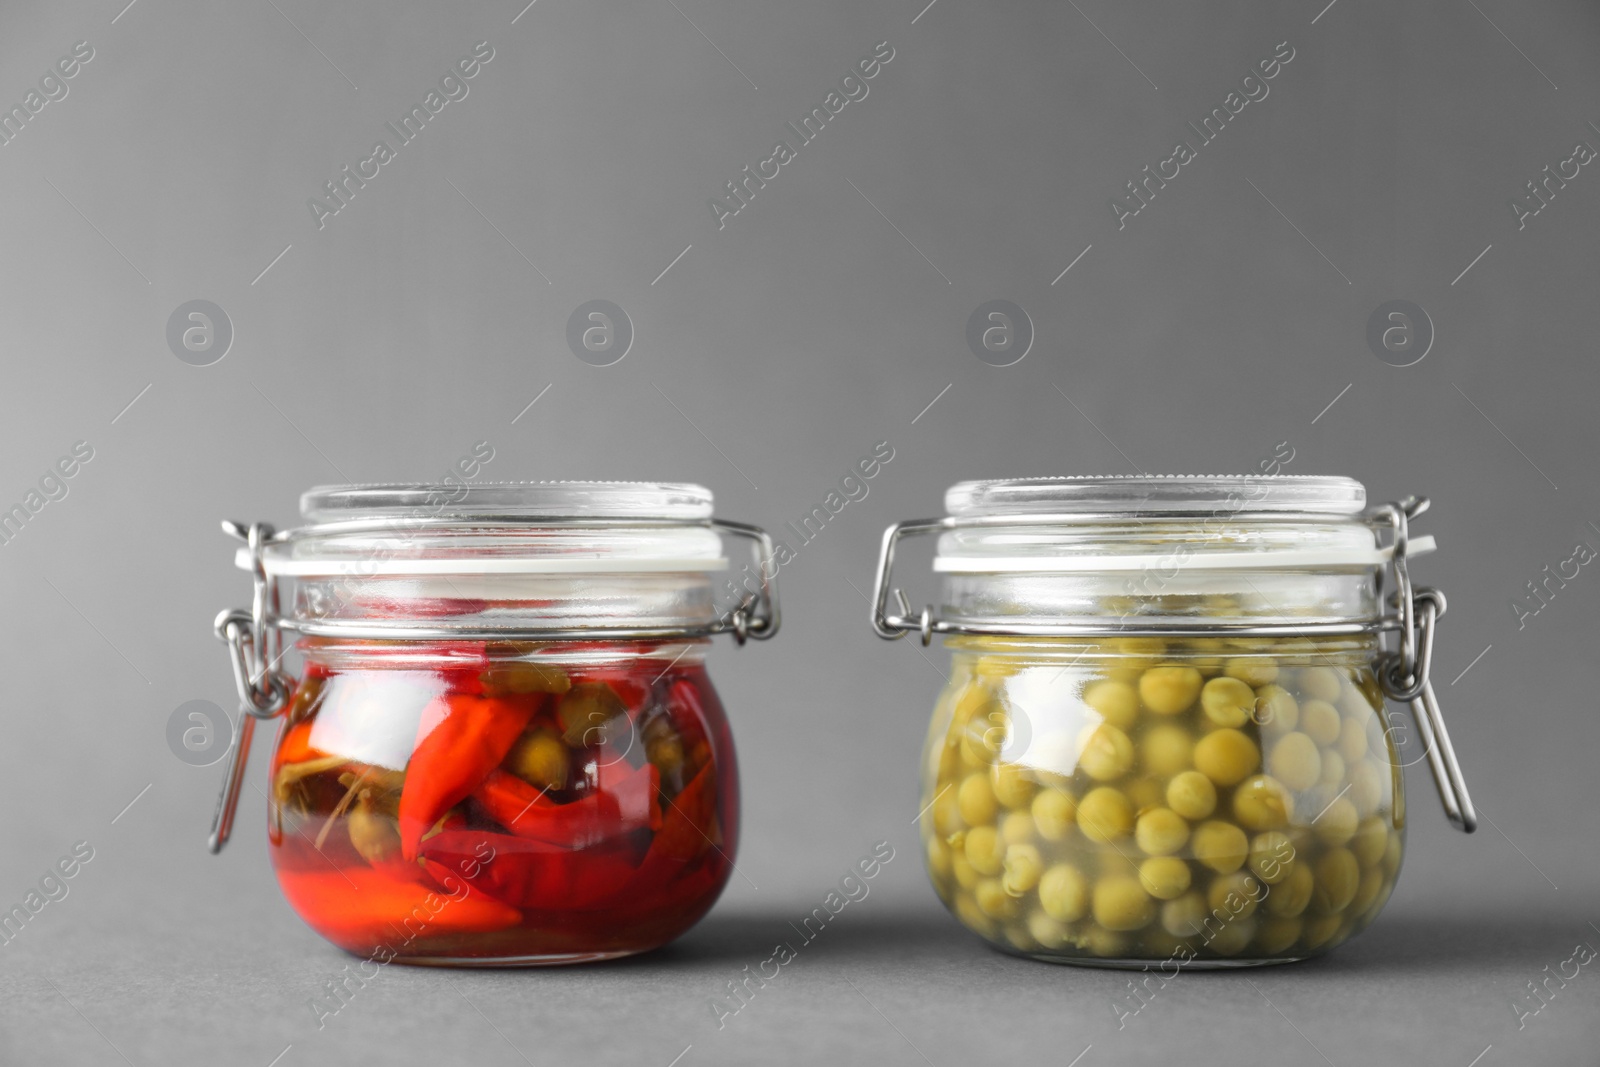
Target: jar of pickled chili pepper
x=501, y=746
x=1163, y=740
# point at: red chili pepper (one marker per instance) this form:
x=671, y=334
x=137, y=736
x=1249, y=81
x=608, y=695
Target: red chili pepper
x=359, y=908
x=689, y=826
x=460, y=740
x=623, y=801
x=635, y=788
x=510, y=800
x=296, y=744
x=680, y=891
x=529, y=874
x=688, y=831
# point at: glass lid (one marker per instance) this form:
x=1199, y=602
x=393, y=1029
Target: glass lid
x=509, y=501
x=1176, y=494
x=499, y=528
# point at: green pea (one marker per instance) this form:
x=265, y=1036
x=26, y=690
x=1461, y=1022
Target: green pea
x=1254, y=671
x=1023, y=868
x=1161, y=832
x=985, y=851
x=1169, y=690
x=1191, y=795
x=1117, y=702
x=1064, y=893
x=1185, y=916
x=1227, y=701
x=1338, y=877
x=977, y=800
x=1261, y=802
x=1164, y=877
x=1054, y=812
x=1227, y=757
x=1121, y=904
x=1105, y=815
x=1221, y=846
x=1294, y=760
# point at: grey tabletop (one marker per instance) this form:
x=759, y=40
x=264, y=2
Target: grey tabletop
x=216, y=292
x=203, y=963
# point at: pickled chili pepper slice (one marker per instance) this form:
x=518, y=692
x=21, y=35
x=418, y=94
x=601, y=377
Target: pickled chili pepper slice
x=296, y=744
x=529, y=874
x=510, y=800
x=675, y=890
x=688, y=830
x=460, y=740
x=623, y=801
x=358, y=906
x=689, y=826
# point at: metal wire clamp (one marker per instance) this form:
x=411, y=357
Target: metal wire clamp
x=264, y=691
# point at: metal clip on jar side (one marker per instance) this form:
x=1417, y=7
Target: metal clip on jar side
x=1403, y=672
x=264, y=691
x=255, y=641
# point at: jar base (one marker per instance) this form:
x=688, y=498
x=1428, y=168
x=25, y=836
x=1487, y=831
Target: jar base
x=1115, y=964
x=562, y=959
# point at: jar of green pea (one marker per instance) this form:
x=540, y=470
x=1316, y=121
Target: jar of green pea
x=1163, y=739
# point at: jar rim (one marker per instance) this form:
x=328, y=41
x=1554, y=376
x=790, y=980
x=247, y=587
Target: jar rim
x=508, y=502
x=497, y=530
x=1113, y=524
x=1176, y=495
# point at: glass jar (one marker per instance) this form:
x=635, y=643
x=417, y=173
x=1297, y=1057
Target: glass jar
x=502, y=747
x=1163, y=739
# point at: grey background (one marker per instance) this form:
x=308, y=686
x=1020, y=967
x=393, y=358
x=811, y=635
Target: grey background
x=823, y=319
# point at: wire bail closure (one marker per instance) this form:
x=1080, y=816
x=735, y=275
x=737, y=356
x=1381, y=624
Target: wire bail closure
x=1403, y=673
x=255, y=646
x=255, y=642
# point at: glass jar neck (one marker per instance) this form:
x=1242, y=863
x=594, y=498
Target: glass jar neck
x=1238, y=552
x=1161, y=598
x=1356, y=650
x=1226, y=570
x=515, y=604
x=341, y=654
x=551, y=558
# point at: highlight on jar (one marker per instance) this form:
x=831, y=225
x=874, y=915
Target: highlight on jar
x=501, y=745
x=1164, y=734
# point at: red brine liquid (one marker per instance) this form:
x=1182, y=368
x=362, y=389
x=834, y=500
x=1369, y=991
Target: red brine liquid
x=502, y=804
